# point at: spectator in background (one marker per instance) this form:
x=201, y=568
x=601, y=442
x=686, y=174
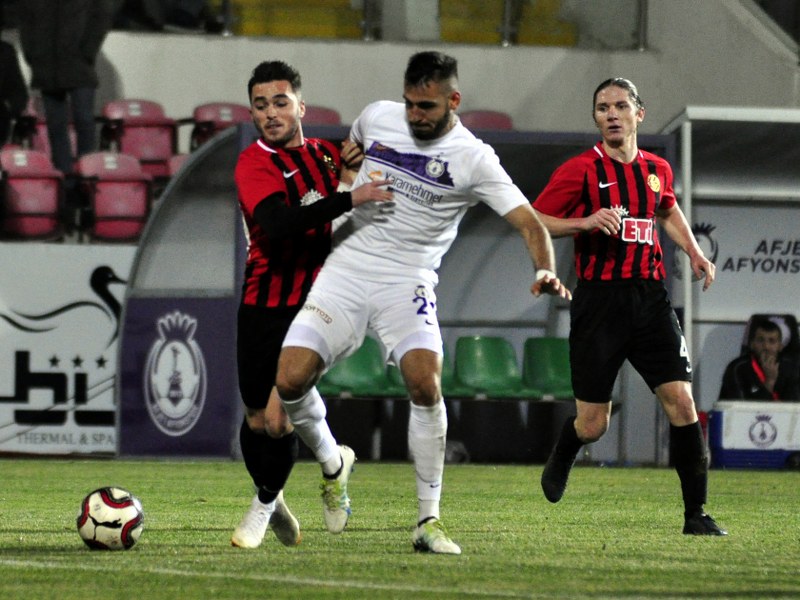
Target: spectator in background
x=13, y=91
x=60, y=41
x=762, y=373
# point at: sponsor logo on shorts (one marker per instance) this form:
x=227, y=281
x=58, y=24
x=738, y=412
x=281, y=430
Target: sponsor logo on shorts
x=319, y=312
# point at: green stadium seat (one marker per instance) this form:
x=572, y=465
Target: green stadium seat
x=545, y=366
x=362, y=374
x=452, y=386
x=488, y=364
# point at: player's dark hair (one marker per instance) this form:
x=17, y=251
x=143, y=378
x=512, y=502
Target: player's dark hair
x=625, y=84
x=274, y=70
x=430, y=66
x=764, y=324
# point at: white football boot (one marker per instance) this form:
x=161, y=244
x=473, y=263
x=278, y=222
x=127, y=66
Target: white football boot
x=251, y=530
x=284, y=524
x=431, y=536
x=335, y=501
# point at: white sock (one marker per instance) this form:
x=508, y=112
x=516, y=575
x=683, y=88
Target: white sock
x=427, y=434
x=307, y=414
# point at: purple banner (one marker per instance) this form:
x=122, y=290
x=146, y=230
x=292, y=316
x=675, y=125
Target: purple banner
x=178, y=385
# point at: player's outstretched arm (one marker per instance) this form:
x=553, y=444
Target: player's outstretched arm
x=540, y=248
x=677, y=228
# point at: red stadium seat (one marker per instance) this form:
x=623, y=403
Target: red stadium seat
x=176, y=162
x=32, y=195
x=321, y=115
x=486, y=119
x=140, y=128
x=118, y=195
x=30, y=129
x=211, y=118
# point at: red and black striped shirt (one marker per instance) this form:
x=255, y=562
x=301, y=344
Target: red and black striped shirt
x=593, y=180
x=280, y=270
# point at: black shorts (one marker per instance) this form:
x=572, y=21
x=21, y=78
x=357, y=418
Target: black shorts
x=614, y=321
x=260, y=333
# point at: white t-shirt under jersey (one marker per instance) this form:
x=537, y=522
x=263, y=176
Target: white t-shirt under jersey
x=434, y=183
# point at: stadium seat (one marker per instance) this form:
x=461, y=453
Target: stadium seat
x=486, y=119
x=362, y=374
x=321, y=115
x=118, y=196
x=175, y=163
x=140, y=128
x=209, y=119
x=395, y=375
x=489, y=365
x=545, y=366
x=452, y=386
x=33, y=195
x=30, y=129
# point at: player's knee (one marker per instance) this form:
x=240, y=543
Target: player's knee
x=293, y=381
x=256, y=420
x=591, y=430
x=278, y=426
x=298, y=371
x=424, y=391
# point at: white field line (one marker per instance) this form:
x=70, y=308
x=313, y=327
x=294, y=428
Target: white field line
x=287, y=579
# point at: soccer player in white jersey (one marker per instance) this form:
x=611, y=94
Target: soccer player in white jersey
x=382, y=273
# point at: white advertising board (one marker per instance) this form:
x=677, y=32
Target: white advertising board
x=59, y=332
x=760, y=425
x=756, y=250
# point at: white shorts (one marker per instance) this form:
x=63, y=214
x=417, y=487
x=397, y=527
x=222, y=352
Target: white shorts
x=342, y=305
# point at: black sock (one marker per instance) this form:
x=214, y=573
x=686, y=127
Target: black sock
x=688, y=449
x=268, y=460
x=568, y=443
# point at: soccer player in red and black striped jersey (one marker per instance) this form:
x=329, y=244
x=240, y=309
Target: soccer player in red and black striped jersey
x=289, y=192
x=610, y=199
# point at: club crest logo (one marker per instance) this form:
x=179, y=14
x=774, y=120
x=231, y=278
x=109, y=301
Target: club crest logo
x=763, y=431
x=654, y=183
x=175, y=376
x=310, y=198
x=434, y=168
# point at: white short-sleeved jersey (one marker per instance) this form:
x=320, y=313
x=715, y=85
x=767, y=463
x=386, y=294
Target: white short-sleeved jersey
x=434, y=183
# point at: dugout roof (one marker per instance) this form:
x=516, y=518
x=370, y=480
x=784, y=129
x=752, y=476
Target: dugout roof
x=736, y=153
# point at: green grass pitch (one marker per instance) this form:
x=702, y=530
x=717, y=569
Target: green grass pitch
x=616, y=534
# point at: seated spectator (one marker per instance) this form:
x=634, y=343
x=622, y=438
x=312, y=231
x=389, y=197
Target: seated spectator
x=762, y=373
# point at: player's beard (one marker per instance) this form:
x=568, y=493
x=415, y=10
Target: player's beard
x=283, y=140
x=439, y=127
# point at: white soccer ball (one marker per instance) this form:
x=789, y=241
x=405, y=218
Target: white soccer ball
x=110, y=518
